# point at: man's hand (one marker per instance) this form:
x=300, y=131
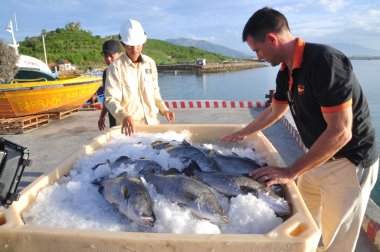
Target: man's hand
x=234, y=137
x=271, y=175
x=127, y=127
x=101, y=123
x=169, y=115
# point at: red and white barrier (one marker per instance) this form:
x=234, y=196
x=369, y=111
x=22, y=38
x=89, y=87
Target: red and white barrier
x=174, y=104
x=294, y=132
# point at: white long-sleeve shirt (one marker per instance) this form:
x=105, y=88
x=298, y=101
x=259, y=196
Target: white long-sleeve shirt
x=132, y=90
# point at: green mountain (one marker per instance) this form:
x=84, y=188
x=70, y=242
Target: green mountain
x=83, y=49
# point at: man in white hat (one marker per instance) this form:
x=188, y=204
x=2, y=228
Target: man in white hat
x=132, y=94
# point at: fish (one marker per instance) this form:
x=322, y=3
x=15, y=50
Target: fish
x=130, y=197
x=186, y=153
x=233, y=163
x=231, y=185
x=187, y=192
x=138, y=163
x=160, y=145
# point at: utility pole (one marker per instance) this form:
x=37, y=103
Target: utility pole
x=43, y=43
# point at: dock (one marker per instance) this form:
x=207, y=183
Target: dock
x=54, y=143
x=209, y=67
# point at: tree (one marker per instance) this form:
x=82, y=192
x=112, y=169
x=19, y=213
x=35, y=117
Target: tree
x=8, y=60
x=73, y=26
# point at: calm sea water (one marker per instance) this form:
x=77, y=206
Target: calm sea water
x=255, y=83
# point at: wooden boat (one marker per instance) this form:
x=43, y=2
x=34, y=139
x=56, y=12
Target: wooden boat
x=36, y=90
x=37, y=96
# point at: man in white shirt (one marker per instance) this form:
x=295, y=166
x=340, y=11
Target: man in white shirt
x=132, y=94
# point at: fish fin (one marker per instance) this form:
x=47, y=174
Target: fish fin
x=172, y=171
x=191, y=169
x=185, y=142
x=107, y=162
x=100, y=189
x=246, y=190
x=124, y=173
x=121, y=158
x=234, y=154
x=96, y=182
x=184, y=159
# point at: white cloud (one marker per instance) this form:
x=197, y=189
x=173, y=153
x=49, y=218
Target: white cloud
x=368, y=21
x=333, y=6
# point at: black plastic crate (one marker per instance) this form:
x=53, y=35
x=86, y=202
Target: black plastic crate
x=13, y=160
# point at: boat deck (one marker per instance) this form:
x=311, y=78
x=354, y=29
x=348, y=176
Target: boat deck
x=50, y=145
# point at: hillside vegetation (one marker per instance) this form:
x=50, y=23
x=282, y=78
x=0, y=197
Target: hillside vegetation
x=83, y=49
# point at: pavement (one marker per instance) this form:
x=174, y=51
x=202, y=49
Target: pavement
x=50, y=145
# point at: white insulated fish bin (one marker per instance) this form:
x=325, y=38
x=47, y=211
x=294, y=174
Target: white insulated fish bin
x=297, y=233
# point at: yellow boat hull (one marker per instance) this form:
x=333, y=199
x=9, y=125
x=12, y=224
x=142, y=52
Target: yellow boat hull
x=70, y=92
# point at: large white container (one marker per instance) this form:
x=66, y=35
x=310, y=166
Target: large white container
x=297, y=233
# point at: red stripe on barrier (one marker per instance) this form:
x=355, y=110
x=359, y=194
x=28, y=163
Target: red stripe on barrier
x=214, y=104
x=183, y=105
x=372, y=229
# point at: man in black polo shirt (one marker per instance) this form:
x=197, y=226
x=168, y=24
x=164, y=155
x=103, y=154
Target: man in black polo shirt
x=337, y=174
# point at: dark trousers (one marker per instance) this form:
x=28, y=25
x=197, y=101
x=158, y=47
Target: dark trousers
x=112, y=120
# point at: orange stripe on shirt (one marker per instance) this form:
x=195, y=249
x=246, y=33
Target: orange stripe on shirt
x=279, y=102
x=337, y=108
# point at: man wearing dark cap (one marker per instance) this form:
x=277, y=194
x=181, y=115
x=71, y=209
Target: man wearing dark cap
x=111, y=51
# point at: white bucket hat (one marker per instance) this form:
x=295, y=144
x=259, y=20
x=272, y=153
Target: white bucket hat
x=132, y=33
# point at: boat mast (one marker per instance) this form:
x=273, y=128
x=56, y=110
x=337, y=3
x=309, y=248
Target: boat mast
x=9, y=29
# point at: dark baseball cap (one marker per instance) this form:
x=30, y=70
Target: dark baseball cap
x=111, y=47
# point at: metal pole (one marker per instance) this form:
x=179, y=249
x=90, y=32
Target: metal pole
x=43, y=43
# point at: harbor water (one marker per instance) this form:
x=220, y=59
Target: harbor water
x=253, y=84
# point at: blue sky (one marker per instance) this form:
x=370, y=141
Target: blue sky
x=217, y=21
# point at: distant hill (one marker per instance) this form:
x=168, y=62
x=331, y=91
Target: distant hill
x=83, y=49
x=353, y=50
x=207, y=46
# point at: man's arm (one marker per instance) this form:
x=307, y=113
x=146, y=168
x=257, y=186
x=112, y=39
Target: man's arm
x=337, y=134
x=266, y=118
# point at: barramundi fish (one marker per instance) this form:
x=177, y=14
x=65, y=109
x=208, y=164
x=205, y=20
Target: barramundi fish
x=233, y=163
x=188, y=192
x=138, y=163
x=130, y=197
x=160, y=145
x=231, y=185
x=186, y=153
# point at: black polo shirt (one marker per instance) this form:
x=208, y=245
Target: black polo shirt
x=323, y=81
